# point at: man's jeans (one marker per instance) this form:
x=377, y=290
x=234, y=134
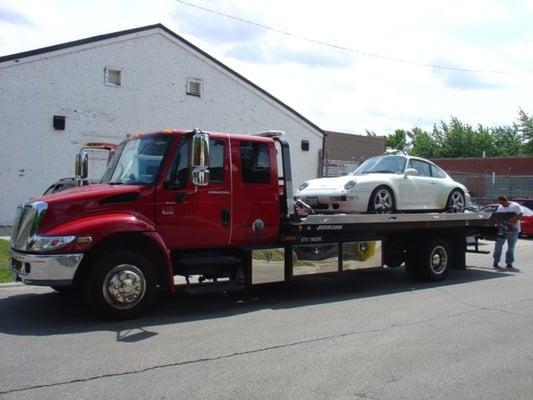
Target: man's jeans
x=511, y=238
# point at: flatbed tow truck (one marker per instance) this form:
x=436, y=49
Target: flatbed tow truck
x=213, y=206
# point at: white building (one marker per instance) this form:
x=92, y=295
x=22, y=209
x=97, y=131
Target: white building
x=105, y=87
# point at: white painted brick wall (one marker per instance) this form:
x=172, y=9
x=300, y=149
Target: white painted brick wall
x=155, y=68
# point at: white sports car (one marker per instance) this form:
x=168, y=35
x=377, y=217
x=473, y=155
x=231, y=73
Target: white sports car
x=386, y=184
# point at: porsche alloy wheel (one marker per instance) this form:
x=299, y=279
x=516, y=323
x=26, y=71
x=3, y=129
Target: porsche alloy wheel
x=456, y=202
x=381, y=201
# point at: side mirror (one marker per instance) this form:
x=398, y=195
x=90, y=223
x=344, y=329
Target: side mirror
x=200, y=158
x=81, y=169
x=410, y=172
x=200, y=177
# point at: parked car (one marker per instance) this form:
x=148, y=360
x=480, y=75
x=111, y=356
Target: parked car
x=386, y=184
x=526, y=223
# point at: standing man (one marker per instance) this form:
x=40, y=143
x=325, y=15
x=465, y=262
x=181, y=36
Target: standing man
x=507, y=231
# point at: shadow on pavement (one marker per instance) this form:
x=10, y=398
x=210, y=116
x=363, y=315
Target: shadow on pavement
x=51, y=313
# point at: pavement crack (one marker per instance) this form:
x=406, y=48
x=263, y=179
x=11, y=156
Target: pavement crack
x=490, y=308
x=232, y=355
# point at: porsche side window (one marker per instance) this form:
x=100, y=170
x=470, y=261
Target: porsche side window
x=436, y=172
x=422, y=168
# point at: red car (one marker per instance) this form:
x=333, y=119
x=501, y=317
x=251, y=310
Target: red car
x=526, y=221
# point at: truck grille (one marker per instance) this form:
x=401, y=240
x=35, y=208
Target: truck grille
x=27, y=220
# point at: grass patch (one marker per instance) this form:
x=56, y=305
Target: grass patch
x=5, y=275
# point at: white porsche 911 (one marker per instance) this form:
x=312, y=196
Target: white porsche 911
x=386, y=184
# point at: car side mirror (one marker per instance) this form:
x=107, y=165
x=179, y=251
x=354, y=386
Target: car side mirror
x=200, y=177
x=200, y=158
x=81, y=169
x=410, y=172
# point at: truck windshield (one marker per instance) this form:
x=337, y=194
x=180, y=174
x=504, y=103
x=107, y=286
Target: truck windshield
x=137, y=161
x=382, y=164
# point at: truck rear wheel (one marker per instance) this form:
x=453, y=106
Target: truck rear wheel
x=431, y=262
x=121, y=285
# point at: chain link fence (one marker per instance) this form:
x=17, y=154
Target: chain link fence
x=485, y=188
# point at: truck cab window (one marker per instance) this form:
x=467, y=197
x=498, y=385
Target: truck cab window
x=216, y=161
x=255, y=162
x=178, y=174
x=137, y=161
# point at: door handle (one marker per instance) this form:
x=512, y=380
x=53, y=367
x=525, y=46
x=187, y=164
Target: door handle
x=225, y=216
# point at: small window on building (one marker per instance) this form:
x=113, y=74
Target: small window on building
x=255, y=162
x=194, y=87
x=113, y=77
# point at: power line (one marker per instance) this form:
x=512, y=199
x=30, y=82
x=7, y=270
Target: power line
x=348, y=49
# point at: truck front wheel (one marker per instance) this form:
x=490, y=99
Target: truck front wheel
x=121, y=285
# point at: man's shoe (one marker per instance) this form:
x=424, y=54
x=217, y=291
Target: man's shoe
x=496, y=266
x=509, y=266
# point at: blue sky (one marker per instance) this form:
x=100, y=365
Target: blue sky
x=342, y=90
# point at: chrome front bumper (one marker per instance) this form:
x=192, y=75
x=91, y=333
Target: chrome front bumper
x=44, y=270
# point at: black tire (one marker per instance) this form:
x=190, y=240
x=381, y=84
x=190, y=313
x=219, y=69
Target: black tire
x=431, y=262
x=382, y=201
x=456, y=202
x=121, y=285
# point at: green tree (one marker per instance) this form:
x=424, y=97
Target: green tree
x=423, y=144
x=397, y=142
x=459, y=139
x=507, y=141
x=525, y=127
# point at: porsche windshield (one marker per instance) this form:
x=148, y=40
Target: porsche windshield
x=137, y=161
x=382, y=164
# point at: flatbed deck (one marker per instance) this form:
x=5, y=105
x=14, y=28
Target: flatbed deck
x=325, y=228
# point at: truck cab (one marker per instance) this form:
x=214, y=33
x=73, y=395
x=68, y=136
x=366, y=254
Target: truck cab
x=169, y=203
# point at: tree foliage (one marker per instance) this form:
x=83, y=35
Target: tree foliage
x=397, y=142
x=459, y=139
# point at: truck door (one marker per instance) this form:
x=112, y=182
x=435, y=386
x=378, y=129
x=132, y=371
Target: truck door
x=191, y=216
x=256, y=192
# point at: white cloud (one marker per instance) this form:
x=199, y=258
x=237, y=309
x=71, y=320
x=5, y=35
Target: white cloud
x=336, y=89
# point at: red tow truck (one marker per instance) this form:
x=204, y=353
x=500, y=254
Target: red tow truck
x=212, y=206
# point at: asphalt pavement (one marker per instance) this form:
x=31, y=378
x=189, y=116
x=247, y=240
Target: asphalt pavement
x=367, y=335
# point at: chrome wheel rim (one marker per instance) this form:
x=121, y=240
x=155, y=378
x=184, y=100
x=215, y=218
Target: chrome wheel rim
x=438, y=260
x=383, y=201
x=457, y=202
x=124, y=286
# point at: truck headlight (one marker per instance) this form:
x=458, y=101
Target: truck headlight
x=43, y=243
x=349, y=185
x=303, y=186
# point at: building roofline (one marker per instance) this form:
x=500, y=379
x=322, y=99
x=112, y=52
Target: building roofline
x=112, y=35
x=327, y=132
